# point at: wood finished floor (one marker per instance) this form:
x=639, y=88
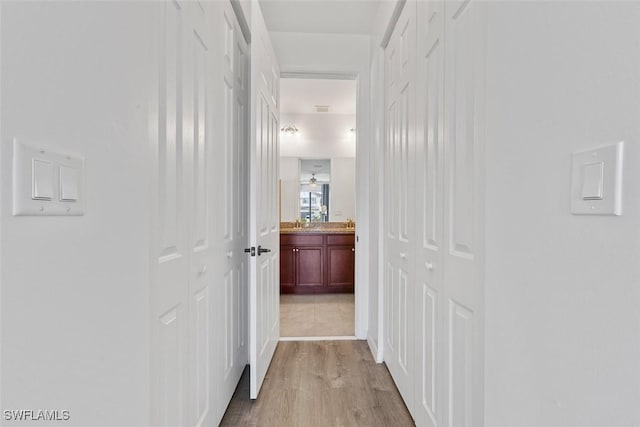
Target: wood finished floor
x=317, y=384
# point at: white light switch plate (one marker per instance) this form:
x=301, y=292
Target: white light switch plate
x=46, y=182
x=596, y=181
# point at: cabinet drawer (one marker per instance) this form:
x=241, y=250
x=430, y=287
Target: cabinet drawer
x=301, y=239
x=340, y=239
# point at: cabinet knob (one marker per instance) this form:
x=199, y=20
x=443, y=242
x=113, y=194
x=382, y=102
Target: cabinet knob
x=429, y=265
x=353, y=249
x=403, y=255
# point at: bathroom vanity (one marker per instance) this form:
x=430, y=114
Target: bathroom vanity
x=317, y=259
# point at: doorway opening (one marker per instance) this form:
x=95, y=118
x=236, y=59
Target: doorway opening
x=317, y=177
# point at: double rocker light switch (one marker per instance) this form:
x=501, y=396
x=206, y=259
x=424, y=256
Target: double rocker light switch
x=46, y=182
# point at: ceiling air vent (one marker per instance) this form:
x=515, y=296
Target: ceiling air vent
x=322, y=108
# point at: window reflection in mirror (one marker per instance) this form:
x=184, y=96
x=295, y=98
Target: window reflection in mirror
x=314, y=189
x=314, y=202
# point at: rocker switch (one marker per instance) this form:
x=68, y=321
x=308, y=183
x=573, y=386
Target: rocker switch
x=592, y=180
x=42, y=180
x=68, y=184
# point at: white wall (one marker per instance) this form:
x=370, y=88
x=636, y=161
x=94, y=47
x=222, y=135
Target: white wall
x=75, y=300
x=290, y=168
x=562, y=294
x=321, y=136
x=342, y=54
x=290, y=188
x=343, y=188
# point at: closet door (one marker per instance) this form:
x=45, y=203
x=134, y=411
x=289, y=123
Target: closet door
x=231, y=189
x=429, y=270
x=464, y=211
x=198, y=296
x=197, y=130
x=183, y=251
x=400, y=203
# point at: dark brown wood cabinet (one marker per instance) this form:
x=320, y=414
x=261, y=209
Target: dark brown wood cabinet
x=287, y=267
x=316, y=263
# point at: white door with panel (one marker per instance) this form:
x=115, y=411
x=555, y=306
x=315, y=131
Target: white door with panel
x=196, y=358
x=429, y=271
x=434, y=306
x=264, y=289
x=465, y=24
x=172, y=380
x=231, y=161
x=195, y=107
x=400, y=204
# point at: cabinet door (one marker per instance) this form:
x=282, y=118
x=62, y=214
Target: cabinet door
x=340, y=265
x=310, y=265
x=287, y=268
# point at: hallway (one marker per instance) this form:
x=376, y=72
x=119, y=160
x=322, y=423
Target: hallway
x=497, y=203
x=320, y=383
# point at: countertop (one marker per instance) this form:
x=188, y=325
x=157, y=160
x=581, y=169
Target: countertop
x=318, y=230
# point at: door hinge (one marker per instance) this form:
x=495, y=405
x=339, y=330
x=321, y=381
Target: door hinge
x=251, y=250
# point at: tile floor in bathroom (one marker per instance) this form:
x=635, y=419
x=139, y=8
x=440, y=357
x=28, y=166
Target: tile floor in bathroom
x=319, y=315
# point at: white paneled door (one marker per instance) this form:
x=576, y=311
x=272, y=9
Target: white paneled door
x=429, y=333
x=465, y=24
x=400, y=204
x=232, y=193
x=264, y=288
x=196, y=127
x=199, y=271
x=171, y=381
x=434, y=204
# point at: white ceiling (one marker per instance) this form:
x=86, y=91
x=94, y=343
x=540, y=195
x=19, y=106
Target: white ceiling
x=316, y=166
x=314, y=16
x=321, y=168
x=300, y=96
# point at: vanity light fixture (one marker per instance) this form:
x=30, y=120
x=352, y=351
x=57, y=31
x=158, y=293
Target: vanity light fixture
x=290, y=129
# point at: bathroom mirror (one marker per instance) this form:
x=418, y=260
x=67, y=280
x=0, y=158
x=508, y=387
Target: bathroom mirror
x=331, y=198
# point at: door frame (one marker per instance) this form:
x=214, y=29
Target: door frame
x=362, y=261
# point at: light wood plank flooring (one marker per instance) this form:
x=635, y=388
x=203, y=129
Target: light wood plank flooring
x=318, y=384
x=320, y=315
